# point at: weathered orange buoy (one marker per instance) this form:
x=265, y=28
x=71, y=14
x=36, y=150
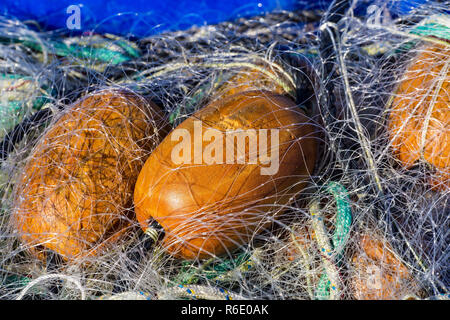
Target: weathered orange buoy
x=419, y=121
x=217, y=200
x=75, y=192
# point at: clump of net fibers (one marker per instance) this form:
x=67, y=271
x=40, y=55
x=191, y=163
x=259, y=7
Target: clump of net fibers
x=389, y=134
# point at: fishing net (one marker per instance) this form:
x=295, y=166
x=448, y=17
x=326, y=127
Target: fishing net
x=81, y=115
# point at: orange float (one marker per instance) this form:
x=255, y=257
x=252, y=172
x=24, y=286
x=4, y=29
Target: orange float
x=75, y=192
x=419, y=120
x=209, y=207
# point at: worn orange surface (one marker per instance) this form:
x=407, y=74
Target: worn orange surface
x=75, y=192
x=210, y=209
x=419, y=120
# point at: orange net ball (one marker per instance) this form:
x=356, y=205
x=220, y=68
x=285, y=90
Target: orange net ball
x=419, y=122
x=75, y=193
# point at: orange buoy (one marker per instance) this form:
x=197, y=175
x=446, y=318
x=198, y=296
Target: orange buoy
x=75, y=192
x=216, y=201
x=419, y=120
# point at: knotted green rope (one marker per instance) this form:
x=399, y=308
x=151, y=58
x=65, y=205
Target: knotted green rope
x=219, y=271
x=95, y=50
x=437, y=26
x=329, y=286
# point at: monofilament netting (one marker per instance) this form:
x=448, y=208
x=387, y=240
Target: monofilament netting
x=368, y=219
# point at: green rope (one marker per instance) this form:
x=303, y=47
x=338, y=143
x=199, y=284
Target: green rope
x=434, y=28
x=111, y=51
x=223, y=270
x=329, y=283
x=15, y=281
x=438, y=26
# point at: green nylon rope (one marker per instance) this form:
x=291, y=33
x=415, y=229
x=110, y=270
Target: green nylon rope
x=331, y=254
x=90, y=53
x=102, y=52
x=219, y=271
x=437, y=26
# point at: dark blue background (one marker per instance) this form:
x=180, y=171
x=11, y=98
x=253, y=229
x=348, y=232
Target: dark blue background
x=146, y=17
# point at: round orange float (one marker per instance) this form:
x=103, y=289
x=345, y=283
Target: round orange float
x=209, y=205
x=419, y=121
x=75, y=192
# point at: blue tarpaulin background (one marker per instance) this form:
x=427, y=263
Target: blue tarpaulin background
x=146, y=17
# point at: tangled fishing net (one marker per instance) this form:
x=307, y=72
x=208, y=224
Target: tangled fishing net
x=80, y=116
